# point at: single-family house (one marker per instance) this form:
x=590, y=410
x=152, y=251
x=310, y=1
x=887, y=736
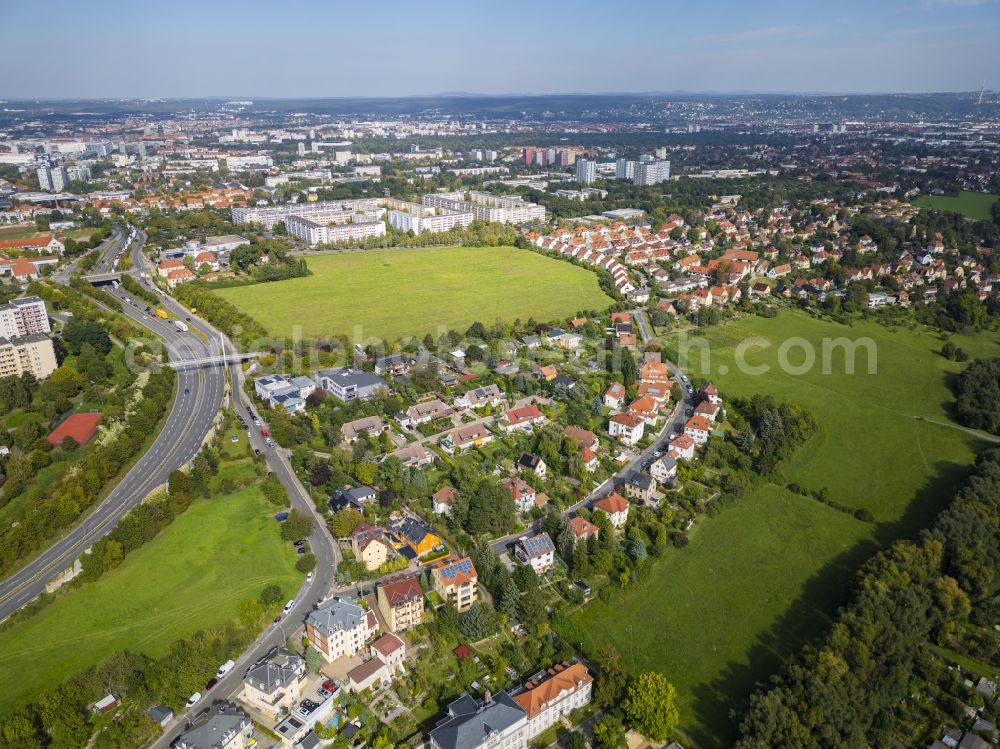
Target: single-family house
x=615, y=506
x=538, y=552
x=417, y=536
x=582, y=529
x=683, y=446
x=663, y=469
x=444, y=499
x=370, y=425
x=628, y=427
x=482, y=397
x=522, y=493
x=523, y=418
x=586, y=439
x=614, y=396
x=415, y=455
x=699, y=429
x=639, y=486
x=532, y=462
x=464, y=437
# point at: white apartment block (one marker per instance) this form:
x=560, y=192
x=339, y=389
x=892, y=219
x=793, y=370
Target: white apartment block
x=22, y=317
x=421, y=218
x=334, y=226
x=503, y=209
x=651, y=172
x=269, y=215
x=33, y=353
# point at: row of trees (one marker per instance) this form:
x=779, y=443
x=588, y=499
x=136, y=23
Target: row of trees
x=53, y=509
x=843, y=690
x=977, y=391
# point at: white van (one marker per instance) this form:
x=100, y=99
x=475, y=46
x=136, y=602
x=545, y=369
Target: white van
x=289, y=606
x=225, y=668
x=194, y=699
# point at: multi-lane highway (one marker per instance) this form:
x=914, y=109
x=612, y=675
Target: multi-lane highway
x=199, y=395
x=321, y=542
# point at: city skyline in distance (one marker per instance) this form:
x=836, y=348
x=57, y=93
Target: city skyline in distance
x=112, y=50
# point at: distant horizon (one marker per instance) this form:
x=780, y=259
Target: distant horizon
x=112, y=49
x=477, y=95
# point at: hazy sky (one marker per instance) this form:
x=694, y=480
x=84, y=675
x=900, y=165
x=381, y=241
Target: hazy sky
x=293, y=48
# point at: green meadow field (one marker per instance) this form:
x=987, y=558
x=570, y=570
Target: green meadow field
x=762, y=578
x=397, y=293
x=188, y=578
x=974, y=205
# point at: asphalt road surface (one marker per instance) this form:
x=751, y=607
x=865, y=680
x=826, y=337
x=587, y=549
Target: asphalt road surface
x=199, y=395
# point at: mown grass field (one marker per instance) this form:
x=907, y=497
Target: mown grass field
x=760, y=579
x=20, y=231
x=190, y=577
x=390, y=294
x=974, y=205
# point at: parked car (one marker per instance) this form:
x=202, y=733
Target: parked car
x=194, y=699
x=264, y=434
x=300, y=542
x=309, y=577
x=211, y=683
x=330, y=686
x=281, y=517
x=288, y=606
x=225, y=668
x=301, y=550
x=234, y=438
x=257, y=451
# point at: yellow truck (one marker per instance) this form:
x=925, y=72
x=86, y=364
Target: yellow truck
x=163, y=314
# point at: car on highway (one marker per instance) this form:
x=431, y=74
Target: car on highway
x=193, y=700
x=264, y=434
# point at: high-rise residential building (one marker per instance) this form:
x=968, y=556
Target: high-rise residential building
x=78, y=173
x=567, y=157
x=651, y=172
x=51, y=178
x=661, y=153
x=25, y=316
x=586, y=171
x=624, y=169
x=32, y=353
